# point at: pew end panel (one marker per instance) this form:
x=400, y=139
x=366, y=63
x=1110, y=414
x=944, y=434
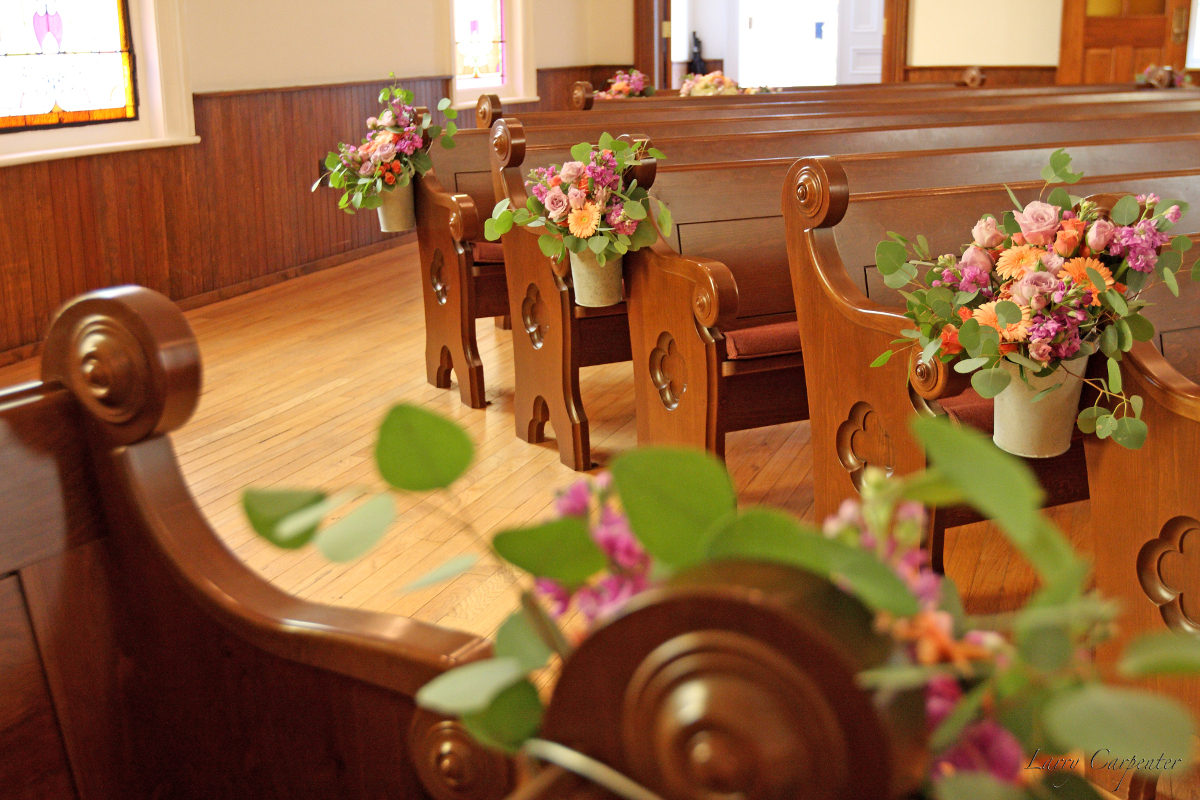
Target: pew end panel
x=1148, y=533
x=167, y=667
x=455, y=289
x=859, y=415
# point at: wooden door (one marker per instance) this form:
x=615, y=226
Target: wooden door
x=1111, y=41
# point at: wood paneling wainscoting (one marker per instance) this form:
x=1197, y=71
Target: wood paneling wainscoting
x=202, y=222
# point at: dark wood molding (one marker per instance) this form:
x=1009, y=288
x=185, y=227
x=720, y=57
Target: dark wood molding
x=895, y=40
x=649, y=51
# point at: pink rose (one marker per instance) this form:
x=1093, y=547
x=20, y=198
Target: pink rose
x=986, y=233
x=977, y=257
x=1032, y=286
x=1039, y=222
x=577, y=197
x=1039, y=350
x=1052, y=261
x=571, y=171
x=556, y=204
x=1100, y=234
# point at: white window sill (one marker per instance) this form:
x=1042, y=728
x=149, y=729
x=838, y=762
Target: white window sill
x=504, y=100
x=94, y=149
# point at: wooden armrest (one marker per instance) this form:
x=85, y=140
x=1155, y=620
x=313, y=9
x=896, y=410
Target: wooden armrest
x=464, y=217
x=1162, y=382
x=714, y=292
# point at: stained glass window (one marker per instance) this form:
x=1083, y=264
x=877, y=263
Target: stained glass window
x=479, y=45
x=64, y=62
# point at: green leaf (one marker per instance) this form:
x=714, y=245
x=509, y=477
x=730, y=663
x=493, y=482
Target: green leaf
x=443, y=104
x=976, y=786
x=1180, y=244
x=990, y=382
x=644, y=236
x=1136, y=403
x=447, y=142
x=635, y=211
x=605, y=142
x=665, y=221
x=930, y=488
x=1171, y=282
x=1009, y=223
x=923, y=246
x=300, y=522
x=928, y=352
x=1170, y=260
x=882, y=358
x=550, y=245
x=597, y=244
x=266, y=507
x=512, y=717
x=1046, y=648
x=1106, y=424
x=451, y=113
x=769, y=535
x=1114, y=376
x=1062, y=198
x=470, y=688
x=581, y=151
x=1125, y=211
x=899, y=678
x=1027, y=363
x=1123, y=722
x=1037, y=398
x=1130, y=433
x=1087, y=418
x=561, y=549
x=1110, y=343
x=889, y=257
x=517, y=639
x=992, y=481
x=419, y=450
x=332, y=161
x=673, y=498
x=1014, y=199
x=385, y=94
x=489, y=230
x=357, y=532
x=970, y=364
x=968, y=336
x=1116, y=302
x=1141, y=328
x=451, y=569
x=1162, y=653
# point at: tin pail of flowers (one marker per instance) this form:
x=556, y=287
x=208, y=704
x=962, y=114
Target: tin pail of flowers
x=593, y=210
x=378, y=173
x=1032, y=297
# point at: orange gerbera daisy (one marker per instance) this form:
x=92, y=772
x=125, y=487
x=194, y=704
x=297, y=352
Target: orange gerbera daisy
x=1016, y=332
x=1076, y=269
x=1016, y=261
x=582, y=222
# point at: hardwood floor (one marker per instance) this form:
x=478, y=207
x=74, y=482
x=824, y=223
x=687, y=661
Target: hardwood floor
x=298, y=375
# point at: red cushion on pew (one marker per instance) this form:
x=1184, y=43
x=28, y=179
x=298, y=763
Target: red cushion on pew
x=488, y=252
x=972, y=410
x=776, y=339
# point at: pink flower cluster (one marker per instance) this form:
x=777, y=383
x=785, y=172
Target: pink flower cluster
x=578, y=186
x=393, y=136
x=626, y=84
x=628, y=571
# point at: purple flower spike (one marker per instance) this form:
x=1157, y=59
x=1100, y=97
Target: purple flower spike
x=576, y=500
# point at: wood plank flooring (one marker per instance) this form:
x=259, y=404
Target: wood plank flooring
x=298, y=376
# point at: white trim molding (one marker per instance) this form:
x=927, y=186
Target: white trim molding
x=165, y=113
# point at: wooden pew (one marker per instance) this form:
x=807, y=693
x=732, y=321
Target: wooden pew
x=847, y=318
x=461, y=275
x=139, y=658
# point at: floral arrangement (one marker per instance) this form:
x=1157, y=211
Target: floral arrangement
x=1011, y=700
x=627, y=84
x=707, y=85
x=1179, y=79
x=395, y=149
x=587, y=204
x=761, y=90
x=1048, y=283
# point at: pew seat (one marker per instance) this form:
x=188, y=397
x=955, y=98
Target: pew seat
x=758, y=341
x=486, y=252
x=139, y=657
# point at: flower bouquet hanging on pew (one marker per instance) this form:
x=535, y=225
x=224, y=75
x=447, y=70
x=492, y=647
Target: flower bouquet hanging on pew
x=627, y=84
x=378, y=172
x=1032, y=297
x=1009, y=705
x=592, y=210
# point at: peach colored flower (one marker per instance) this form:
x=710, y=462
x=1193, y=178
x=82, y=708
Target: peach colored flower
x=1069, y=237
x=1016, y=332
x=1076, y=269
x=582, y=222
x=1016, y=261
x=950, y=344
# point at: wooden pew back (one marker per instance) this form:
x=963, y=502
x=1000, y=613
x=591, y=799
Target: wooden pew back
x=141, y=659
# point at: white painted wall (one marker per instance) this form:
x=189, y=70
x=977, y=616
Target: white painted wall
x=944, y=33
x=711, y=20
x=259, y=44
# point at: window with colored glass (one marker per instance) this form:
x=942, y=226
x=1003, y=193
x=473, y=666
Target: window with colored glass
x=479, y=44
x=65, y=62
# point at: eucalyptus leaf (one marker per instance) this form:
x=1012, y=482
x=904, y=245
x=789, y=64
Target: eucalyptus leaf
x=418, y=450
x=882, y=358
x=1060, y=197
x=470, y=688
x=1125, y=211
x=969, y=364
x=1121, y=721
x=1162, y=653
x=304, y=520
x=1171, y=282
x=1114, y=376
x=1014, y=199
x=581, y=151
x=561, y=549
x=976, y=786
x=265, y=508
x=1141, y=328
x=1130, y=433
x=513, y=716
x=990, y=382
x=889, y=256
x=673, y=498
x=357, y=532
x=635, y=210
x=517, y=639
x=451, y=569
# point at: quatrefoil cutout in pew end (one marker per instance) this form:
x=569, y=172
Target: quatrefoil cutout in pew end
x=668, y=371
x=863, y=442
x=533, y=316
x=1169, y=574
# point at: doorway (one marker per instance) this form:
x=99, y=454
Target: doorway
x=807, y=42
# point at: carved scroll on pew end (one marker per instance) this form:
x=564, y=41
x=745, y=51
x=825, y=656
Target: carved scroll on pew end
x=508, y=143
x=583, y=96
x=130, y=357
x=818, y=189
x=488, y=109
x=933, y=379
x=972, y=78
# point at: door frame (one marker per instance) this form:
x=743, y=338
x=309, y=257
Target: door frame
x=895, y=41
x=652, y=50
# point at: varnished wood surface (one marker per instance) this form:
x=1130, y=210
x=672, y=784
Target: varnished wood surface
x=298, y=375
